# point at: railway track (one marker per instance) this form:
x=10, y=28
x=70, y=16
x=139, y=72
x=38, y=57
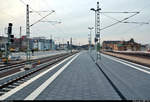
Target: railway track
x=22, y=63
x=9, y=70
x=10, y=84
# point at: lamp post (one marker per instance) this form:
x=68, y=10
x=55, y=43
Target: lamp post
x=97, y=28
x=90, y=38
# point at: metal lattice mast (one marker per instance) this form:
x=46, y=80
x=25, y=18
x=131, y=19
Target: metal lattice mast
x=97, y=28
x=28, y=34
x=98, y=21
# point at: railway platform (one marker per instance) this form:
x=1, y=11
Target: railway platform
x=81, y=77
x=80, y=80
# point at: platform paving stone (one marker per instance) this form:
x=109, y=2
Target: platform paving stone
x=81, y=80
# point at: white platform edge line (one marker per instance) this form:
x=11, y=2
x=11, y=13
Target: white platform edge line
x=128, y=62
x=6, y=95
x=41, y=88
x=11, y=75
x=128, y=65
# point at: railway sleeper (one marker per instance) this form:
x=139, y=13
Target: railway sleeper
x=11, y=86
x=21, y=79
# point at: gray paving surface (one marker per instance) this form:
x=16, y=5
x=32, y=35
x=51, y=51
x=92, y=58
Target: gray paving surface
x=23, y=93
x=133, y=83
x=81, y=80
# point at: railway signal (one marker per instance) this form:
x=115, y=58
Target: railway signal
x=9, y=39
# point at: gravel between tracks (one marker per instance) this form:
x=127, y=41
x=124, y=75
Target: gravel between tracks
x=135, y=59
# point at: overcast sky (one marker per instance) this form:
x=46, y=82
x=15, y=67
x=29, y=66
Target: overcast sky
x=76, y=17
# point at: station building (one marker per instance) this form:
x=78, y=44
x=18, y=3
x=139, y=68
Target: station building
x=130, y=45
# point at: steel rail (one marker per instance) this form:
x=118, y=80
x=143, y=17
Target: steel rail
x=10, y=66
x=20, y=79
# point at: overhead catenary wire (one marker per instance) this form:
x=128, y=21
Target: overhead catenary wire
x=41, y=18
x=56, y=28
x=110, y=17
x=36, y=11
x=119, y=21
x=138, y=26
x=120, y=12
x=134, y=28
x=22, y=2
x=31, y=8
x=125, y=21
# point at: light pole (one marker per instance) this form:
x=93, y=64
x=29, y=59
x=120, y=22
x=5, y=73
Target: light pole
x=90, y=38
x=97, y=28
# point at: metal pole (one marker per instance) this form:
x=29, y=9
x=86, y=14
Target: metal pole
x=20, y=38
x=89, y=42
x=99, y=40
x=71, y=44
x=90, y=39
x=95, y=37
x=9, y=42
x=38, y=44
x=51, y=43
x=63, y=43
x=6, y=47
x=90, y=28
x=28, y=34
x=5, y=29
x=20, y=43
x=98, y=27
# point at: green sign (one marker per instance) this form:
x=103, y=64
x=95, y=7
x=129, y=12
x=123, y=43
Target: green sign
x=98, y=47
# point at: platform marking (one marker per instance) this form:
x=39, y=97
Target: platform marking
x=127, y=64
x=41, y=88
x=11, y=92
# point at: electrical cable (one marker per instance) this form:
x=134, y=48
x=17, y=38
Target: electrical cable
x=41, y=18
x=119, y=21
x=60, y=30
x=142, y=23
x=125, y=21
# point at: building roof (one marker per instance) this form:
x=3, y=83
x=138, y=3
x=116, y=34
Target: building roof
x=111, y=42
x=131, y=41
